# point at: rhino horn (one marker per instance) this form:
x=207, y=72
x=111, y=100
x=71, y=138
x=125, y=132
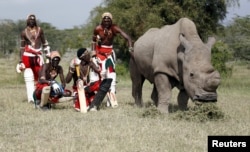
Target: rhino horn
x=214, y=81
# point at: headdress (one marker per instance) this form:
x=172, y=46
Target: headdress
x=55, y=55
x=107, y=14
x=30, y=16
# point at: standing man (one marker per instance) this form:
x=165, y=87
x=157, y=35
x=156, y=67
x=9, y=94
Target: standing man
x=31, y=60
x=103, y=37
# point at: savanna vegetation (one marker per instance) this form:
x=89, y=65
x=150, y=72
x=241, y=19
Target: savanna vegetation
x=127, y=128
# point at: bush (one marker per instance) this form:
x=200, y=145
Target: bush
x=121, y=68
x=220, y=56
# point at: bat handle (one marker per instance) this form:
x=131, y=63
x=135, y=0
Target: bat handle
x=78, y=71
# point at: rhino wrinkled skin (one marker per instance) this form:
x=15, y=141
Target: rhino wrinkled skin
x=174, y=56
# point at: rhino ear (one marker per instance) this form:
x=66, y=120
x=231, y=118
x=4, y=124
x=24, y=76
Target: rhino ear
x=185, y=42
x=210, y=42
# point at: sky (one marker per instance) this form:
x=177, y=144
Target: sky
x=63, y=14
x=242, y=10
x=66, y=14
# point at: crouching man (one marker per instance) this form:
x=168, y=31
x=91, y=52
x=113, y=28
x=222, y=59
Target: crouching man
x=47, y=89
x=89, y=74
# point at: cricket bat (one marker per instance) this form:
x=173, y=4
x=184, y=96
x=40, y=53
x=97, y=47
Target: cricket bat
x=81, y=92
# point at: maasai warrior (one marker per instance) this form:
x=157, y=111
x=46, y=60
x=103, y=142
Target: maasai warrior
x=47, y=88
x=89, y=73
x=31, y=60
x=103, y=37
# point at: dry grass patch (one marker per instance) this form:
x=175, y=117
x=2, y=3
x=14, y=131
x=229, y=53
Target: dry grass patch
x=126, y=128
x=201, y=113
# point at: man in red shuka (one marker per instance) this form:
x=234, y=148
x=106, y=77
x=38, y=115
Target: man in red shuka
x=31, y=60
x=103, y=37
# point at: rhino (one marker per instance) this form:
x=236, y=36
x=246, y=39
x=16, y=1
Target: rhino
x=174, y=56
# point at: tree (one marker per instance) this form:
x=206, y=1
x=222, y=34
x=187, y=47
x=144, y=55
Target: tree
x=60, y=40
x=8, y=40
x=237, y=35
x=221, y=54
x=136, y=17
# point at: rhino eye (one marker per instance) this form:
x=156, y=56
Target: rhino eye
x=191, y=74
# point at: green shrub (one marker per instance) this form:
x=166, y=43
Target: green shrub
x=220, y=56
x=121, y=69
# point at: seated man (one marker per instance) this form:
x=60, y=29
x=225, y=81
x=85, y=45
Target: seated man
x=95, y=88
x=89, y=73
x=47, y=89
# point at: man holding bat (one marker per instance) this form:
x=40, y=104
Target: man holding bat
x=86, y=78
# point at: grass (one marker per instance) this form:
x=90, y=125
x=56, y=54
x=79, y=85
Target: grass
x=125, y=129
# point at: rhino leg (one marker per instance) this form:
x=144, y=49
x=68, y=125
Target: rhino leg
x=137, y=83
x=154, y=96
x=163, y=87
x=182, y=99
x=137, y=91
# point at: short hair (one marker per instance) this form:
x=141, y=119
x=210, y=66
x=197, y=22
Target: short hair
x=80, y=52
